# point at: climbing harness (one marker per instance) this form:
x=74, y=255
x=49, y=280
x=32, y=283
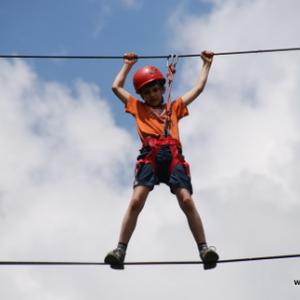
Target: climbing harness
x=164, y=152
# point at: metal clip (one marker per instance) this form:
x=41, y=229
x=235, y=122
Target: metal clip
x=172, y=60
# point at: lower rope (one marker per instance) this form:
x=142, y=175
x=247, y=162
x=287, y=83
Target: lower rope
x=143, y=263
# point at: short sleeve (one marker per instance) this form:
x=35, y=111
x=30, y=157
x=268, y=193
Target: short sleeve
x=179, y=108
x=131, y=106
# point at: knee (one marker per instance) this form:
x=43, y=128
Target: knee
x=187, y=204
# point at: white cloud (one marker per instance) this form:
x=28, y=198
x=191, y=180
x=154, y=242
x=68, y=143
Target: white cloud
x=61, y=195
x=106, y=9
x=65, y=166
x=242, y=136
x=249, y=112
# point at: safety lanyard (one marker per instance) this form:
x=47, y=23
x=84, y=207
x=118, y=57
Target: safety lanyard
x=171, y=69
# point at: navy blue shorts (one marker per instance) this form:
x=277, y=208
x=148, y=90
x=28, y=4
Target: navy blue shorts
x=146, y=176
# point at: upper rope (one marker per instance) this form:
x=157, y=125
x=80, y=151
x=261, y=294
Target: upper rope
x=140, y=56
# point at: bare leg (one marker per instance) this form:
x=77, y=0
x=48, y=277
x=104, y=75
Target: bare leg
x=135, y=206
x=208, y=255
x=188, y=206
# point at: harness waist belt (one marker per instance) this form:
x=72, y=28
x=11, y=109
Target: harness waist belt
x=165, y=154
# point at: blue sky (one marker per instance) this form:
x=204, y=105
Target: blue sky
x=67, y=150
x=89, y=28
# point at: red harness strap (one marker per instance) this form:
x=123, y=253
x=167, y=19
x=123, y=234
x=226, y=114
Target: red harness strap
x=171, y=65
x=155, y=144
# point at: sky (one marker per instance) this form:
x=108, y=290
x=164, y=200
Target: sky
x=67, y=149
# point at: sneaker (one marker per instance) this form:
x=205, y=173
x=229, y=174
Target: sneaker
x=115, y=259
x=209, y=257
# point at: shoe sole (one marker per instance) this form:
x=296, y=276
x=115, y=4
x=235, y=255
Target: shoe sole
x=113, y=262
x=211, y=260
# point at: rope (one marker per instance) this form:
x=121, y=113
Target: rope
x=171, y=66
x=139, y=57
x=143, y=263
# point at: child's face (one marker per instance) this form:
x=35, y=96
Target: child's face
x=153, y=94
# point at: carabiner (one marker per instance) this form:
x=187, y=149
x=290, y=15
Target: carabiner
x=172, y=60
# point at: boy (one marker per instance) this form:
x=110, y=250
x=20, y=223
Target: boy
x=160, y=158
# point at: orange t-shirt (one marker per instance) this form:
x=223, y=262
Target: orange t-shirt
x=150, y=120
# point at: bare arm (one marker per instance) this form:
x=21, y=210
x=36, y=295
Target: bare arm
x=191, y=95
x=118, y=85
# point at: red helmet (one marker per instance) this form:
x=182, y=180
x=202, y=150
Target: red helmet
x=146, y=75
